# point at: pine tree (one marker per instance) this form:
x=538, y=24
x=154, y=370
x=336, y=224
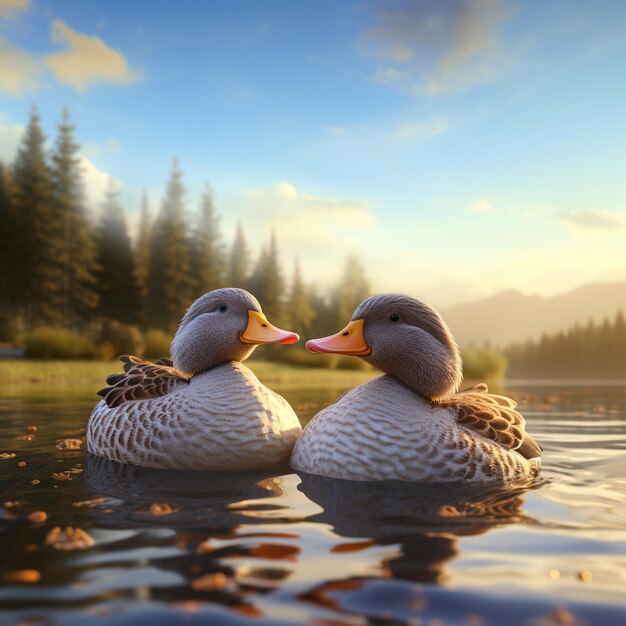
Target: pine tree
x=7, y=252
x=256, y=281
x=326, y=321
x=142, y=255
x=267, y=284
x=300, y=311
x=592, y=351
x=38, y=234
x=117, y=287
x=169, y=283
x=207, y=254
x=353, y=288
x=275, y=284
x=78, y=259
x=239, y=260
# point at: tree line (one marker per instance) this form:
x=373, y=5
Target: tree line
x=64, y=266
x=61, y=267
x=593, y=351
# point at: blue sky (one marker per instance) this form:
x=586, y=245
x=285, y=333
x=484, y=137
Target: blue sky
x=460, y=148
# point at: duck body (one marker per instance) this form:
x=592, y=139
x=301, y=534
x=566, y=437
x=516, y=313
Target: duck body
x=383, y=430
x=204, y=409
x=224, y=419
x=412, y=423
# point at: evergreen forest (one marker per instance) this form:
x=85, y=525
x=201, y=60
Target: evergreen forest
x=590, y=351
x=68, y=274
x=75, y=284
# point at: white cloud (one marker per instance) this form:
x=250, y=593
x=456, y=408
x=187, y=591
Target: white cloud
x=592, y=220
x=10, y=137
x=432, y=47
x=9, y=9
x=321, y=231
x=392, y=135
x=19, y=71
x=91, y=149
x=96, y=182
x=422, y=132
x=87, y=61
x=112, y=146
x=482, y=205
x=386, y=75
x=306, y=217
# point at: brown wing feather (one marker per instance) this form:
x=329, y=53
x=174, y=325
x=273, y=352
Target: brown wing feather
x=494, y=417
x=141, y=380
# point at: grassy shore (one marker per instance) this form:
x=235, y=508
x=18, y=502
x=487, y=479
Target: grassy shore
x=93, y=373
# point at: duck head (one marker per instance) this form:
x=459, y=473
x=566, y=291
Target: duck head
x=402, y=337
x=222, y=325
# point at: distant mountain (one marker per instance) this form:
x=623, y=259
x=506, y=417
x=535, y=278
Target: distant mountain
x=511, y=316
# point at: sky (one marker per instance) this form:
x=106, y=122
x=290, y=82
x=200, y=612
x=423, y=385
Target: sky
x=459, y=148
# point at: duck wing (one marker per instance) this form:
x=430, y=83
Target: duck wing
x=494, y=417
x=141, y=380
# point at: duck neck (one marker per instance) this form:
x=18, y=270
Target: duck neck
x=209, y=374
x=435, y=376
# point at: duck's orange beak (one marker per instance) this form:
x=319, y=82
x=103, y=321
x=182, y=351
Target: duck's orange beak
x=350, y=341
x=259, y=330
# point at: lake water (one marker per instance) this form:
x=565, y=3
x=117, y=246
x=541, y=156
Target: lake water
x=278, y=548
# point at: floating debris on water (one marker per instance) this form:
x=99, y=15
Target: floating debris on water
x=25, y=576
x=69, y=539
x=159, y=509
x=69, y=444
x=102, y=537
x=90, y=504
x=5, y=456
x=61, y=476
x=38, y=517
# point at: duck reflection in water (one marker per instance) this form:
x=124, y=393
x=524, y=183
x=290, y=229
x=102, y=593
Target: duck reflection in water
x=194, y=499
x=210, y=518
x=239, y=535
x=423, y=522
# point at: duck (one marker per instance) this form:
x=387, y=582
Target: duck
x=203, y=409
x=412, y=423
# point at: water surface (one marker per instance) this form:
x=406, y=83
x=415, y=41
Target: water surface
x=275, y=547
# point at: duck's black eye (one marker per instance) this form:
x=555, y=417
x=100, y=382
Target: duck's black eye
x=394, y=317
x=223, y=307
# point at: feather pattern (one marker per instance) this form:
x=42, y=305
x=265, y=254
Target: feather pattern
x=141, y=380
x=493, y=417
x=203, y=410
x=412, y=423
x=221, y=419
x=383, y=430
